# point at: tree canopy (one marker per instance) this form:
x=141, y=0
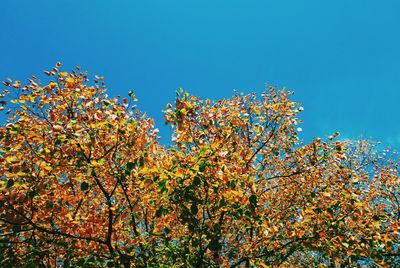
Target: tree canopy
x=84, y=181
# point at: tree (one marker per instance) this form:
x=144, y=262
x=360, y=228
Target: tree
x=85, y=182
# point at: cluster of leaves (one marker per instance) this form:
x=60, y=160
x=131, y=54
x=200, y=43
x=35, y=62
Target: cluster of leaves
x=84, y=182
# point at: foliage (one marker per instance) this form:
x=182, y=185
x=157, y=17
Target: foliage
x=85, y=182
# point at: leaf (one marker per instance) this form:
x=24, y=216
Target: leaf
x=130, y=166
x=84, y=186
x=15, y=129
x=162, y=186
x=141, y=161
x=197, y=181
x=98, y=163
x=12, y=160
x=31, y=194
x=160, y=211
x=202, y=166
x=69, y=80
x=214, y=245
x=57, y=142
x=10, y=183
x=253, y=200
x=194, y=209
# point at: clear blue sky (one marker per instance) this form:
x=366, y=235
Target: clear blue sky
x=341, y=57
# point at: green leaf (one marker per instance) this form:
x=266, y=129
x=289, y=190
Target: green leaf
x=195, y=242
x=194, y=209
x=130, y=166
x=10, y=183
x=160, y=211
x=80, y=155
x=84, y=186
x=57, y=143
x=331, y=211
x=31, y=194
x=202, y=166
x=222, y=203
x=162, y=186
x=197, y=181
x=15, y=129
x=141, y=161
x=253, y=200
x=49, y=205
x=214, y=245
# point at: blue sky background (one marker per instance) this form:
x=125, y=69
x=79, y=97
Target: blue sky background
x=341, y=57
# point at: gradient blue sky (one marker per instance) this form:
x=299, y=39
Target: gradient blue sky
x=341, y=57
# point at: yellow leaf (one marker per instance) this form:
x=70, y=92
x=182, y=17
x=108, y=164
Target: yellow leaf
x=52, y=85
x=45, y=166
x=12, y=160
x=69, y=80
